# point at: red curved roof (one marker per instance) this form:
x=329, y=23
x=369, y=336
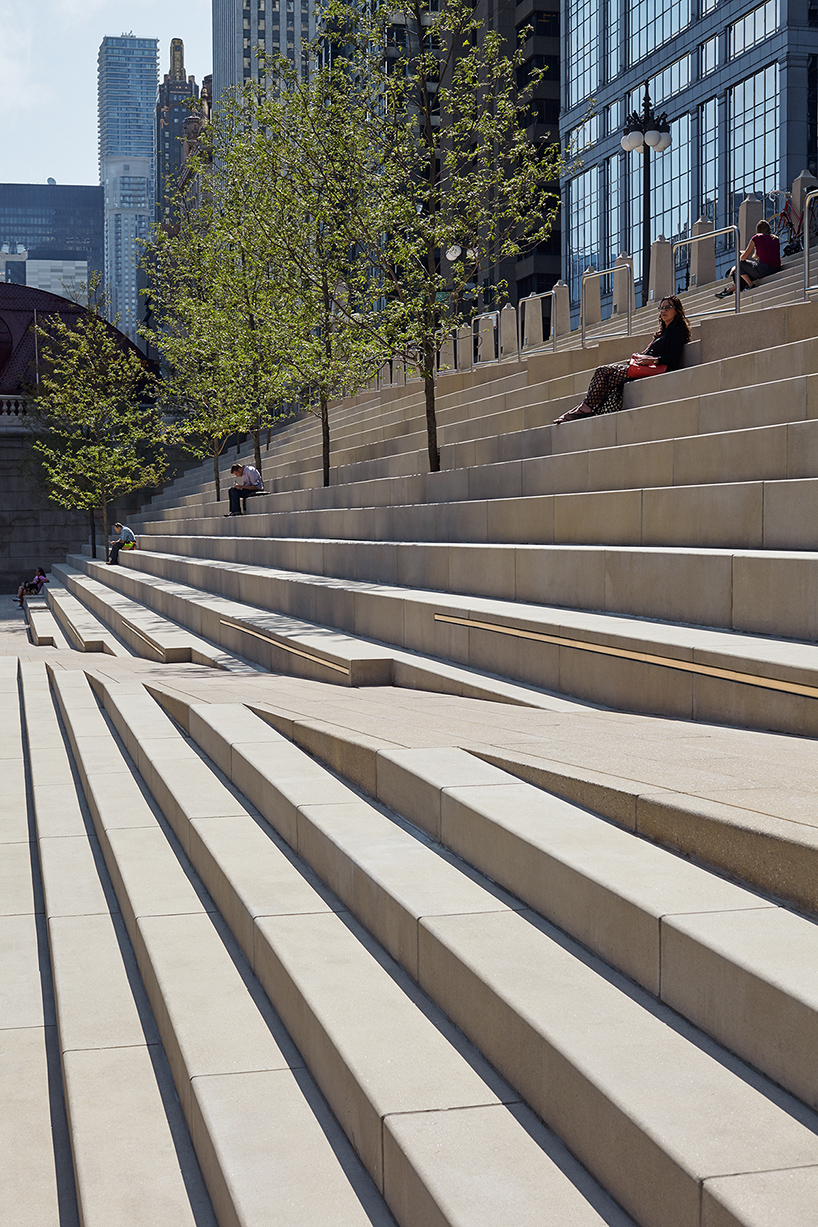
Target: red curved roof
x=19, y=306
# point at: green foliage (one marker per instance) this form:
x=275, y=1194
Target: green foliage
x=96, y=436
x=317, y=247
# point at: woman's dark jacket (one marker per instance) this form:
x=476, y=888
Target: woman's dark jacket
x=668, y=347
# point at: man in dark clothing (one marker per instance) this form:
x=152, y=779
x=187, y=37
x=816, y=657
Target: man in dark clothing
x=125, y=541
x=247, y=483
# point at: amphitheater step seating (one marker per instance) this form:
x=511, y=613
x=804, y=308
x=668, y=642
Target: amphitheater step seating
x=592, y=1029
x=342, y=880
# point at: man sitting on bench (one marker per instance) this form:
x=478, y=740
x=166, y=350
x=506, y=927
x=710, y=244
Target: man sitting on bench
x=248, y=482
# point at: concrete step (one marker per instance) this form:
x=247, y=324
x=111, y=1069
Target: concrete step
x=769, y=514
x=671, y=1105
x=732, y=590
x=289, y=644
x=82, y=629
x=624, y=898
x=36, y=1178
x=42, y=625
x=149, y=634
x=640, y=664
x=406, y=1063
x=133, y=1162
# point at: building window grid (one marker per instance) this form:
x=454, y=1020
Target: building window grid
x=654, y=22
x=583, y=227
x=670, y=192
x=582, y=68
x=709, y=159
x=753, y=27
x=664, y=85
x=753, y=127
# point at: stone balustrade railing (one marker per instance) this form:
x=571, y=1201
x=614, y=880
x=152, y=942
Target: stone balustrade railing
x=13, y=414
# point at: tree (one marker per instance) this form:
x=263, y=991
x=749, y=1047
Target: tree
x=98, y=435
x=448, y=167
x=215, y=294
x=328, y=299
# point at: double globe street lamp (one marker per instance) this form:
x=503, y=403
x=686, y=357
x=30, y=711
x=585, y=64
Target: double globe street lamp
x=646, y=131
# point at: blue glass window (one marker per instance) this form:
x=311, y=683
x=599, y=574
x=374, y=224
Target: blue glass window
x=582, y=69
x=709, y=56
x=754, y=133
x=754, y=27
x=653, y=22
x=583, y=227
x=665, y=85
x=709, y=158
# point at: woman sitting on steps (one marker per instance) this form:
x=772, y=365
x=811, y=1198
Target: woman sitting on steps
x=664, y=353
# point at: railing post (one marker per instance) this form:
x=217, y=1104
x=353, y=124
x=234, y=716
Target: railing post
x=508, y=332
x=808, y=199
x=662, y=275
x=702, y=255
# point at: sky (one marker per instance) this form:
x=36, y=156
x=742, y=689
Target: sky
x=48, y=76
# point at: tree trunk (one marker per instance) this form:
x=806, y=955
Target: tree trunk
x=325, y=435
x=257, y=446
x=105, y=526
x=93, y=526
x=216, y=475
x=431, y=419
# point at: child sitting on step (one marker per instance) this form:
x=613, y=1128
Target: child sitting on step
x=32, y=587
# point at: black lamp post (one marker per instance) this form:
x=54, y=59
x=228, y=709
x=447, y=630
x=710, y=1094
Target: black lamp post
x=646, y=131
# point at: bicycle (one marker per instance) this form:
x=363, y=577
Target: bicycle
x=790, y=222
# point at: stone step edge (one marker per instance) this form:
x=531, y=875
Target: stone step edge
x=263, y=955
x=229, y=1190
x=732, y=840
x=737, y=655
x=84, y=1082
x=452, y=964
x=124, y=619
x=70, y=613
x=408, y=786
x=380, y=664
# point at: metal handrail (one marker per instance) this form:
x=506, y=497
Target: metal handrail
x=487, y=315
x=810, y=196
x=606, y=272
x=530, y=298
x=712, y=234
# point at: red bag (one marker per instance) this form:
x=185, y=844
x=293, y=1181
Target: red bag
x=637, y=371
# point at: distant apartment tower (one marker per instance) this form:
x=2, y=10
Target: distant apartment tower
x=172, y=109
x=127, y=81
x=242, y=28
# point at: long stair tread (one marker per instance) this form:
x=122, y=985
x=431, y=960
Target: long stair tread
x=421, y=1070
x=734, y=1144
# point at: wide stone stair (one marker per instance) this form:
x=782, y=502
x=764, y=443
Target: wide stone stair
x=435, y=849
x=268, y=995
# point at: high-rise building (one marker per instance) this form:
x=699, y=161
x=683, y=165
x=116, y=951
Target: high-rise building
x=243, y=28
x=52, y=233
x=739, y=83
x=172, y=109
x=127, y=77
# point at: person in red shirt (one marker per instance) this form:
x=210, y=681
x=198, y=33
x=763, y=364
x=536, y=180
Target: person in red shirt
x=767, y=251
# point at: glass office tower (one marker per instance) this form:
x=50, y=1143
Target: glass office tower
x=242, y=28
x=739, y=83
x=128, y=76
x=42, y=218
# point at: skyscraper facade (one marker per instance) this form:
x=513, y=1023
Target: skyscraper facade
x=243, y=28
x=739, y=83
x=50, y=221
x=127, y=81
x=172, y=109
